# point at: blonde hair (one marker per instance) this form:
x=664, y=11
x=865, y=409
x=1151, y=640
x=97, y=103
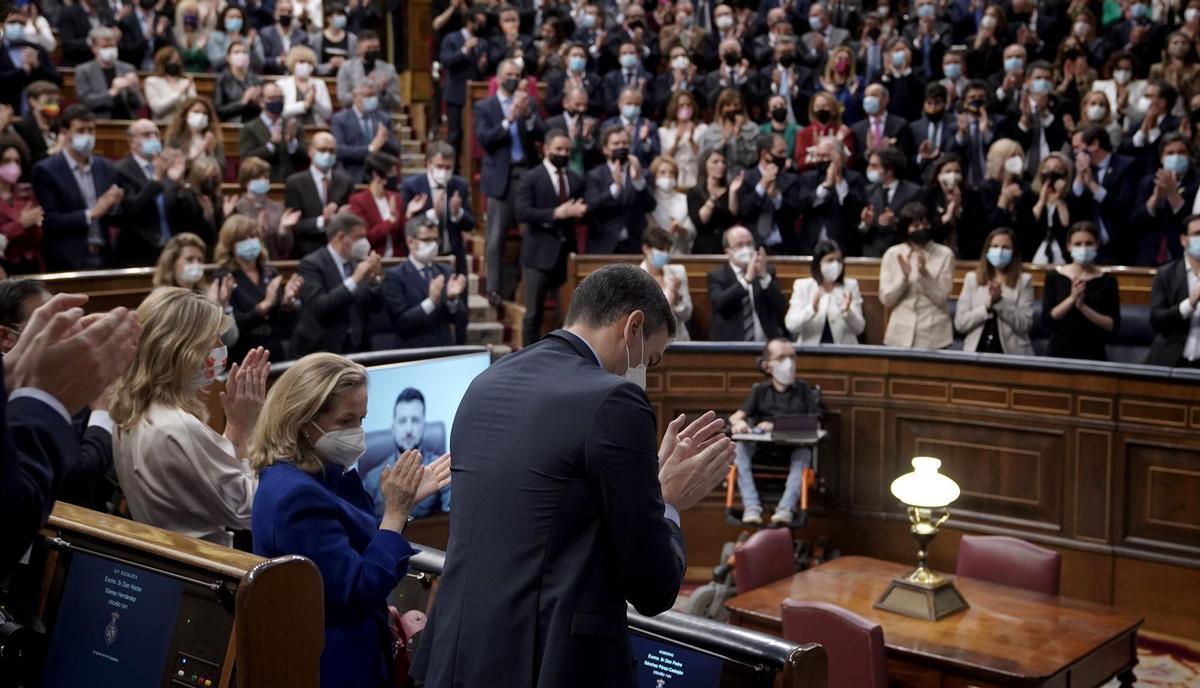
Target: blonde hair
x=829, y=74
x=164, y=269
x=662, y=162
x=252, y=168
x=1036, y=186
x=301, y=394
x=235, y=229
x=300, y=53
x=180, y=135
x=178, y=329
x=1001, y=150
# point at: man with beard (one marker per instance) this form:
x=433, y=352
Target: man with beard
x=408, y=432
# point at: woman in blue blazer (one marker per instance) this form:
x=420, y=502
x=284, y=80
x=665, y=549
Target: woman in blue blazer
x=311, y=502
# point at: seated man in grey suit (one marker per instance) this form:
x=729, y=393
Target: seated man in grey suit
x=410, y=430
x=106, y=85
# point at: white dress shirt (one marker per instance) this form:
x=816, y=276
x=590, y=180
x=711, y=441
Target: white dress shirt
x=764, y=281
x=1191, y=348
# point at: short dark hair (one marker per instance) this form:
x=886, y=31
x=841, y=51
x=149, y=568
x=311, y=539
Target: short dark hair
x=613, y=292
x=1095, y=133
x=555, y=133
x=610, y=131
x=76, y=111
x=1174, y=137
x=823, y=248
x=891, y=158
x=408, y=394
x=367, y=35
x=765, y=142
x=380, y=164
x=1039, y=64
x=1168, y=93
x=935, y=91
x=13, y=293
x=343, y=223
x=975, y=85
x=910, y=213
x=1085, y=226
x=437, y=148
x=1186, y=221
x=657, y=237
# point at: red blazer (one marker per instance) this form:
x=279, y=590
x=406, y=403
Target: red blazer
x=24, y=243
x=807, y=138
x=363, y=205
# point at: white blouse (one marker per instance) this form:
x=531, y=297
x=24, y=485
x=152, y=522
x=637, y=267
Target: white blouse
x=322, y=108
x=672, y=206
x=806, y=324
x=179, y=474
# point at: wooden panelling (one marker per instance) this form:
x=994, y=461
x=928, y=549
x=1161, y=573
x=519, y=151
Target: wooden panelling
x=1093, y=484
x=918, y=390
x=867, y=442
x=1155, y=413
x=1164, y=492
x=1041, y=402
x=1165, y=594
x=979, y=395
x=1094, y=407
x=868, y=387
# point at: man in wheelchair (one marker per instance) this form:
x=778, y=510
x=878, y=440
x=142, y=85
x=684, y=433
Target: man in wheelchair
x=781, y=395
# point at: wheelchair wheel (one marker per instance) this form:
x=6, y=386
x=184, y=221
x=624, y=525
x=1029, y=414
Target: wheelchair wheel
x=704, y=602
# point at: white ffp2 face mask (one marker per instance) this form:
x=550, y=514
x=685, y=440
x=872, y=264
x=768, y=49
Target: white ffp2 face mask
x=341, y=447
x=784, y=372
x=636, y=373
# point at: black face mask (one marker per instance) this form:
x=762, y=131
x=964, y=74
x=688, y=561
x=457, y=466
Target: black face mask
x=173, y=69
x=821, y=166
x=780, y=161
x=619, y=155
x=509, y=86
x=786, y=60
x=209, y=187
x=371, y=56
x=779, y=114
x=637, y=25
x=1195, y=116
x=285, y=20
x=1053, y=177
x=560, y=161
x=731, y=115
x=920, y=237
x=275, y=107
x=732, y=59
x=823, y=116
x=147, y=4
x=976, y=105
x=934, y=115
x=873, y=33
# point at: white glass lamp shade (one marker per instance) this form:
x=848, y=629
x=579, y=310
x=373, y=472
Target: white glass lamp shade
x=925, y=487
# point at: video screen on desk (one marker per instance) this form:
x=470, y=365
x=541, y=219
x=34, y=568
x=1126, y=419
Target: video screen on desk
x=663, y=664
x=412, y=406
x=114, y=627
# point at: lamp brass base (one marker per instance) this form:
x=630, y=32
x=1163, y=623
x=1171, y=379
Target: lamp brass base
x=923, y=595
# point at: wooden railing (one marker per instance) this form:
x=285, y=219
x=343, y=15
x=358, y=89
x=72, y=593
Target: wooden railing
x=206, y=84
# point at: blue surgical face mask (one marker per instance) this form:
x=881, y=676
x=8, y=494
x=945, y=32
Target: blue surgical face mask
x=1013, y=64
x=83, y=143
x=629, y=61
x=1193, y=247
x=1084, y=255
x=631, y=111
x=815, y=23
x=659, y=258
x=151, y=147
x=233, y=25
x=370, y=103
x=324, y=160
x=587, y=21
x=339, y=21
x=874, y=176
x=577, y=63
x=1176, y=162
x=14, y=32
x=926, y=11
x=1040, y=86
x=1140, y=11
x=248, y=249
x=899, y=57
x=258, y=187
x=953, y=71
x=999, y=257
x=871, y=105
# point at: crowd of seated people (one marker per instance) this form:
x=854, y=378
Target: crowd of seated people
x=919, y=134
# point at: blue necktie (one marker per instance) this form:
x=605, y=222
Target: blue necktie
x=518, y=152
x=925, y=63
x=164, y=227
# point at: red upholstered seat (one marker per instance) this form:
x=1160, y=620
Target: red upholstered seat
x=853, y=645
x=767, y=556
x=1009, y=561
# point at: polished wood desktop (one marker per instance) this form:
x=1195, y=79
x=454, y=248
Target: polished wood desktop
x=1008, y=636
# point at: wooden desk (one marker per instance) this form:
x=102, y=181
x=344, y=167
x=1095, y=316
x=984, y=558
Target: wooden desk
x=1007, y=637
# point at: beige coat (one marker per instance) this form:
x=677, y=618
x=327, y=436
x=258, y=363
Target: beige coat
x=919, y=317
x=1014, y=314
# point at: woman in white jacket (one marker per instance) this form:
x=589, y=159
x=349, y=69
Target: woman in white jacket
x=656, y=253
x=827, y=307
x=995, y=308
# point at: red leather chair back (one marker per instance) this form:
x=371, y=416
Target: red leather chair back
x=853, y=644
x=767, y=556
x=1009, y=561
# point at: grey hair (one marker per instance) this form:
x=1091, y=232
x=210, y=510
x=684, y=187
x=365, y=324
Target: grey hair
x=343, y=223
x=415, y=225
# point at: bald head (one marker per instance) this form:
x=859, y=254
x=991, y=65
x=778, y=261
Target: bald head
x=141, y=127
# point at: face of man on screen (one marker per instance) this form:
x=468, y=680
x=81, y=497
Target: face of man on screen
x=408, y=424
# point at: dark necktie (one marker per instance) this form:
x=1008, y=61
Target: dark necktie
x=562, y=187
x=748, y=314
x=427, y=274
x=347, y=269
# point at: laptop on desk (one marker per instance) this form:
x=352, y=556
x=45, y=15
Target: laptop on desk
x=800, y=427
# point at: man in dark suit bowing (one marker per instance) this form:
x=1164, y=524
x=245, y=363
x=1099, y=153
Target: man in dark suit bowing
x=423, y=297
x=563, y=509
x=768, y=202
x=317, y=193
x=506, y=126
x=78, y=192
x=273, y=138
x=747, y=304
x=1175, y=304
x=341, y=288
x=447, y=201
x=550, y=205
x=362, y=129
x=145, y=174
x=617, y=196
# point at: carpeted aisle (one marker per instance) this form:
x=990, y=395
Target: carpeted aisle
x=1165, y=662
